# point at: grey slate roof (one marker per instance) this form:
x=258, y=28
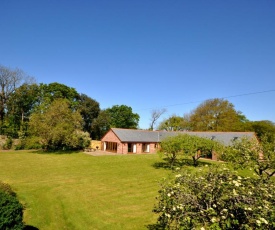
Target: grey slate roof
x=147, y=136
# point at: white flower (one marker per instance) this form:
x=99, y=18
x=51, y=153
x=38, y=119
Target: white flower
x=177, y=176
x=264, y=220
x=202, y=228
x=258, y=222
x=213, y=220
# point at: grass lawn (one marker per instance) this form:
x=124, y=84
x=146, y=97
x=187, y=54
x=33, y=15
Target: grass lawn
x=79, y=191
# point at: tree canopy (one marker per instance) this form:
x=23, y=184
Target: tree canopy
x=59, y=127
x=215, y=115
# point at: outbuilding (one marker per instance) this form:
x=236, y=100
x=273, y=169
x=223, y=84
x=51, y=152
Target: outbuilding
x=133, y=141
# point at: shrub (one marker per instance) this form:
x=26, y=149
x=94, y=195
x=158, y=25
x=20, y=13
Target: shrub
x=11, y=211
x=8, y=143
x=215, y=199
x=7, y=189
x=29, y=143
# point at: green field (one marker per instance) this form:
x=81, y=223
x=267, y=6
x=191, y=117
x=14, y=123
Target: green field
x=80, y=191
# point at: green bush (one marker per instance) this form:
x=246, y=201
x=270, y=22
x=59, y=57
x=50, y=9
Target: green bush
x=8, y=143
x=11, y=211
x=7, y=189
x=215, y=199
x=29, y=143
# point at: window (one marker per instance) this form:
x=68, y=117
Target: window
x=111, y=146
x=145, y=147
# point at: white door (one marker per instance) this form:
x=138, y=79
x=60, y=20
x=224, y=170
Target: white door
x=134, y=148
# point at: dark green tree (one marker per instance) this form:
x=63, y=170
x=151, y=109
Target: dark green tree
x=53, y=91
x=19, y=108
x=89, y=110
x=101, y=125
x=122, y=116
x=10, y=80
x=118, y=116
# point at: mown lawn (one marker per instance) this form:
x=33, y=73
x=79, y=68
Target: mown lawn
x=79, y=191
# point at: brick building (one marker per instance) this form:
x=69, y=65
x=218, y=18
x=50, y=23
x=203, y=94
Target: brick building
x=132, y=141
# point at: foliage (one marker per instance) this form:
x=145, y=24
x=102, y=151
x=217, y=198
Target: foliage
x=101, y=125
x=30, y=142
x=118, y=116
x=8, y=143
x=59, y=127
x=215, y=198
x=249, y=153
x=122, y=116
x=10, y=80
x=6, y=188
x=11, y=211
x=19, y=106
x=264, y=129
x=89, y=110
x=174, y=123
x=215, y=115
x=178, y=147
x=53, y=91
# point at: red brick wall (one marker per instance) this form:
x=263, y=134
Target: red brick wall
x=123, y=147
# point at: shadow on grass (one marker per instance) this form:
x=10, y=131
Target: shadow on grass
x=57, y=151
x=154, y=227
x=29, y=227
x=165, y=164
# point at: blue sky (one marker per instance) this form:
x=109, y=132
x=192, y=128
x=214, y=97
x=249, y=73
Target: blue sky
x=148, y=54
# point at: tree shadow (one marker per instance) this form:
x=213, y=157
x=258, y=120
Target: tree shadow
x=57, y=152
x=165, y=164
x=29, y=227
x=154, y=227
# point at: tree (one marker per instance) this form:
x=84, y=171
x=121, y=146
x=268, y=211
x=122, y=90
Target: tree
x=89, y=110
x=178, y=147
x=249, y=153
x=10, y=79
x=59, y=127
x=264, y=129
x=53, y=91
x=215, y=198
x=215, y=115
x=101, y=125
x=155, y=115
x=20, y=105
x=173, y=123
x=122, y=116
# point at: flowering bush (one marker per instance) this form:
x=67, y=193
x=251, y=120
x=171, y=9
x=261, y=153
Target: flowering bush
x=245, y=153
x=215, y=198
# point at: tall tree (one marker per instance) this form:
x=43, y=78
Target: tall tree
x=53, y=91
x=10, y=79
x=101, y=125
x=19, y=107
x=118, y=116
x=89, y=110
x=155, y=115
x=59, y=127
x=122, y=116
x=174, y=123
x=215, y=115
